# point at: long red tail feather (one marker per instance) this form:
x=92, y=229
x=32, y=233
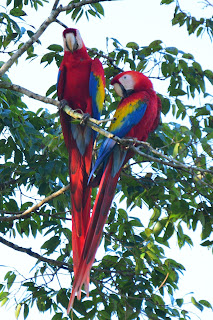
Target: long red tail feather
x=100, y=213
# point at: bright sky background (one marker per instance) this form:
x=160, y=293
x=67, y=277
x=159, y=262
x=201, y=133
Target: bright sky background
x=125, y=20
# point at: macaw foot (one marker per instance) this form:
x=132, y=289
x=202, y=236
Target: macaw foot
x=130, y=142
x=84, y=119
x=63, y=103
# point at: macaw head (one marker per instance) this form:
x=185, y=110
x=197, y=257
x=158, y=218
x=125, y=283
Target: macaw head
x=72, y=40
x=128, y=82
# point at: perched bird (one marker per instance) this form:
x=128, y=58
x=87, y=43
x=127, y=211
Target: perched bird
x=137, y=115
x=81, y=85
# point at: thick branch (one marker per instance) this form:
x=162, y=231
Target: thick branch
x=28, y=251
x=28, y=93
x=53, y=15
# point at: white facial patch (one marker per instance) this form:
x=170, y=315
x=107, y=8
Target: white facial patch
x=127, y=82
x=79, y=39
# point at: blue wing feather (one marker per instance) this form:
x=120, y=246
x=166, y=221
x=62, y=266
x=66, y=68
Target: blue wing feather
x=124, y=123
x=97, y=88
x=59, y=73
x=61, y=82
x=93, y=89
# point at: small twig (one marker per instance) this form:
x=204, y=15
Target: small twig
x=36, y=206
x=162, y=284
x=61, y=23
x=110, y=60
x=106, y=120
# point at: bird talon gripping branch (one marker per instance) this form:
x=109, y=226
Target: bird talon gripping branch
x=62, y=104
x=84, y=119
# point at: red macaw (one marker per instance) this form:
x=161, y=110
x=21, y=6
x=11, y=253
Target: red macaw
x=136, y=116
x=81, y=84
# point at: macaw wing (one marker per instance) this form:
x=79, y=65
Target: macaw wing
x=129, y=113
x=61, y=82
x=97, y=88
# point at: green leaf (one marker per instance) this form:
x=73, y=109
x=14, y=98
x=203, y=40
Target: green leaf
x=188, y=56
x=55, y=47
x=166, y=1
x=4, y=301
x=99, y=8
x=132, y=45
x=17, y=12
x=3, y=295
x=57, y=316
x=51, y=244
x=51, y=90
x=10, y=276
x=196, y=304
x=172, y=50
x=206, y=243
x=205, y=303
x=26, y=310
x=159, y=226
x=17, y=311
x=180, y=302
x=175, y=150
x=209, y=75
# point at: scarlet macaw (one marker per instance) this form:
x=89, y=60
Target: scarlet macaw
x=81, y=84
x=136, y=116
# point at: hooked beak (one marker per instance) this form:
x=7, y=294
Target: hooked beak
x=121, y=91
x=71, y=42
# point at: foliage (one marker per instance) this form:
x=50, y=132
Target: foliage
x=134, y=276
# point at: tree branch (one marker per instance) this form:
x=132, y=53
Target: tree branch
x=26, y=213
x=61, y=264
x=28, y=93
x=81, y=4
x=171, y=162
x=34, y=38
x=55, y=4
x=52, y=17
x=94, y=124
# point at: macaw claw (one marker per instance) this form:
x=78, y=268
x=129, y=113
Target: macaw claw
x=84, y=119
x=63, y=103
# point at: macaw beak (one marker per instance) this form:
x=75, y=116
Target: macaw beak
x=71, y=42
x=121, y=91
x=119, y=88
